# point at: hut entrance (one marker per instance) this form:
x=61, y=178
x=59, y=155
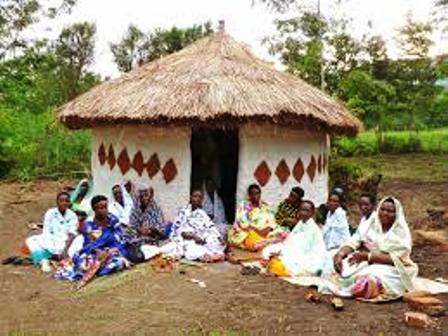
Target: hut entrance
x=215, y=164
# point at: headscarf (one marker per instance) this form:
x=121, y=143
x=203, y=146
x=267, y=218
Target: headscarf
x=397, y=241
x=84, y=205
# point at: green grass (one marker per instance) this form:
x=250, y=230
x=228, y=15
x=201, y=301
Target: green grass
x=416, y=167
x=397, y=142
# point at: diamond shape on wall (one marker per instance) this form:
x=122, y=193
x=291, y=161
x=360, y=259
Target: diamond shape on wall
x=102, y=156
x=319, y=164
x=311, y=170
x=138, y=163
x=153, y=165
x=124, y=162
x=111, y=157
x=298, y=171
x=262, y=173
x=282, y=171
x=169, y=171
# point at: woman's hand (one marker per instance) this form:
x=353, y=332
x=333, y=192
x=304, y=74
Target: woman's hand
x=358, y=257
x=263, y=232
x=337, y=263
x=187, y=235
x=198, y=240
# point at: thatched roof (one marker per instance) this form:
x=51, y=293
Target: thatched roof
x=215, y=82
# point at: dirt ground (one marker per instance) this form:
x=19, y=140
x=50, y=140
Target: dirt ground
x=141, y=302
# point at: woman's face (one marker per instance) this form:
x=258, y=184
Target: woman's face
x=100, y=210
x=387, y=213
x=294, y=198
x=255, y=196
x=333, y=202
x=63, y=202
x=196, y=199
x=365, y=205
x=146, y=197
x=84, y=188
x=118, y=194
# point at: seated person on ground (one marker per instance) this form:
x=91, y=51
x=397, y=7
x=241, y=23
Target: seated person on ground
x=255, y=226
x=146, y=221
x=80, y=197
x=375, y=262
x=303, y=252
x=286, y=214
x=214, y=207
x=121, y=204
x=367, y=207
x=59, y=229
x=336, y=229
x=104, y=250
x=194, y=235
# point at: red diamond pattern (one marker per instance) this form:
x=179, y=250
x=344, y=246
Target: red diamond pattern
x=298, y=171
x=311, y=170
x=111, y=157
x=169, y=171
x=102, y=156
x=282, y=172
x=124, y=162
x=262, y=173
x=138, y=163
x=153, y=165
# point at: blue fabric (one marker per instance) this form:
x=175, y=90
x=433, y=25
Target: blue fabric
x=38, y=256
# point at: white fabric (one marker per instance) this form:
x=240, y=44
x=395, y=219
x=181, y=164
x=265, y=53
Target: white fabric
x=303, y=252
x=336, y=229
x=76, y=245
x=55, y=231
x=123, y=213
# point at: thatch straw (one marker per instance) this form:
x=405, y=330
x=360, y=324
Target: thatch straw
x=215, y=82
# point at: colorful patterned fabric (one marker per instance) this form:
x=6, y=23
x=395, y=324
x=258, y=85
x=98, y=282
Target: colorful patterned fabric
x=367, y=287
x=150, y=218
x=285, y=211
x=83, y=204
x=110, y=238
x=250, y=220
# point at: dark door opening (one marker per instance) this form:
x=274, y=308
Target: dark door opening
x=215, y=158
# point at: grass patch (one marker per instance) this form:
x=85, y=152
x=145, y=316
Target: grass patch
x=416, y=167
x=108, y=283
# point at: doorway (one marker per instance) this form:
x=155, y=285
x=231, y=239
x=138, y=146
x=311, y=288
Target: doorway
x=214, y=155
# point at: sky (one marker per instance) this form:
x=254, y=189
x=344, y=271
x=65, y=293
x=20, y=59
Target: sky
x=245, y=21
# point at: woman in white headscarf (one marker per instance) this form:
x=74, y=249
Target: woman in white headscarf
x=375, y=264
x=121, y=204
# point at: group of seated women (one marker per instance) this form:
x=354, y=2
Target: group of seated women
x=97, y=236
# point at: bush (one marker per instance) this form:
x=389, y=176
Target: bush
x=36, y=146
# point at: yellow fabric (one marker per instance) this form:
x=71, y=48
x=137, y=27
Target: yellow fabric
x=252, y=238
x=276, y=267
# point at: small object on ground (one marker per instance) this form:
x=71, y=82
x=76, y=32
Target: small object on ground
x=427, y=304
x=22, y=261
x=35, y=226
x=163, y=264
x=45, y=266
x=250, y=270
x=414, y=294
x=442, y=280
x=337, y=303
x=199, y=282
x=419, y=320
x=313, y=295
x=9, y=260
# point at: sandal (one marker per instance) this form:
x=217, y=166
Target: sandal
x=337, y=303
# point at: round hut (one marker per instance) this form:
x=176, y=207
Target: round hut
x=210, y=112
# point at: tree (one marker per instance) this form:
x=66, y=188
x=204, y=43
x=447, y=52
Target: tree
x=300, y=44
x=377, y=61
x=415, y=38
x=17, y=15
x=137, y=48
x=74, y=50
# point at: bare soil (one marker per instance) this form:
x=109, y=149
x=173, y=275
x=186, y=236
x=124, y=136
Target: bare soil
x=141, y=302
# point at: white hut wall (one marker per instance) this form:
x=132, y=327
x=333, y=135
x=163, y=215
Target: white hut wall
x=279, y=158
x=147, y=156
